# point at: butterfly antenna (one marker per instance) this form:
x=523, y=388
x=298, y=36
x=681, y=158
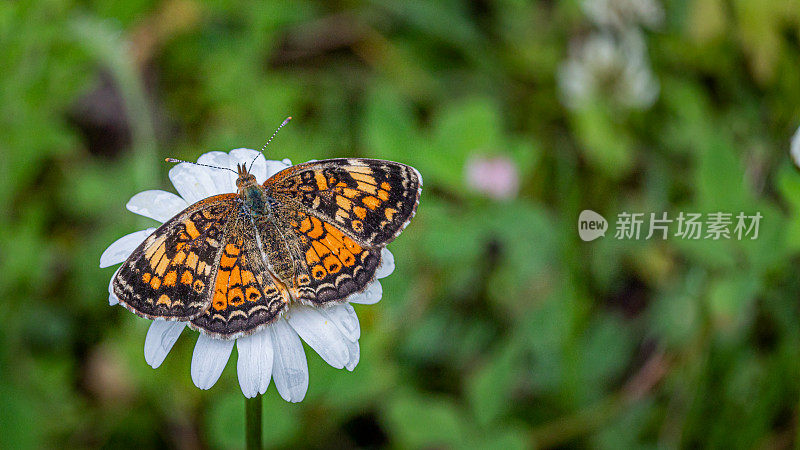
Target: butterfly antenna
x=261, y=152
x=173, y=160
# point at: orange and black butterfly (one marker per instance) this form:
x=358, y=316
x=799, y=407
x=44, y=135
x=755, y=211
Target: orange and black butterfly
x=312, y=233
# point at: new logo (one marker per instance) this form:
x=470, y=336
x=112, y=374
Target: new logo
x=591, y=225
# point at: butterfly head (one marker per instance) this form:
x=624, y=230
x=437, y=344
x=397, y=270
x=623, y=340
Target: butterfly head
x=246, y=179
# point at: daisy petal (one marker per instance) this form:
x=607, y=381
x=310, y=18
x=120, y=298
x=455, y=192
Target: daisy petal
x=222, y=178
x=795, y=147
x=321, y=334
x=274, y=167
x=254, y=364
x=209, y=358
x=123, y=247
x=345, y=319
x=156, y=204
x=387, y=264
x=289, y=366
x=355, y=354
x=193, y=182
x=112, y=298
x=161, y=336
x=371, y=295
x=247, y=157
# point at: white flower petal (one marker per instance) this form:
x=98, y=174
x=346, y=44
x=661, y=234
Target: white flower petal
x=795, y=148
x=371, y=295
x=112, y=298
x=289, y=366
x=355, y=354
x=161, y=336
x=247, y=157
x=209, y=359
x=387, y=264
x=119, y=251
x=273, y=167
x=320, y=333
x=156, y=204
x=254, y=364
x=224, y=181
x=193, y=182
x=345, y=319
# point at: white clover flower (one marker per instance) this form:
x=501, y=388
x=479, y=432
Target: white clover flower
x=622, y=14
x=607, y=67
x=275, y=352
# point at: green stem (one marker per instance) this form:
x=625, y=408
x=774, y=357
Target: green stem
x=252, y=407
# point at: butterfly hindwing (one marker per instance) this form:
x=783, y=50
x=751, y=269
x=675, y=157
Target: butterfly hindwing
x=369, y=200
x=245, y=296
x=169, y=276
x=329, y=265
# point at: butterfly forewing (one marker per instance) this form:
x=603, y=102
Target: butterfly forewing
x=369, y=200
x=171, y=274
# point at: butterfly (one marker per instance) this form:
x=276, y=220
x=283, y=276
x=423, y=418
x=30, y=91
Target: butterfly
x=230, y=264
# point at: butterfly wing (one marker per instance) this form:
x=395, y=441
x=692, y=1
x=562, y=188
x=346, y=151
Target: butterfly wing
x=369, y=200
x=170, y=274
x=336, y=215
x=245, y=296
x=328, y=265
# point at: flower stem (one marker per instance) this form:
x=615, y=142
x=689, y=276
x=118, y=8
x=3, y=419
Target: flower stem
x=252, y=407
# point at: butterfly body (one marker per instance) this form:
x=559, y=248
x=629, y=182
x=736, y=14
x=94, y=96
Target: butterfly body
x=313, y=233
x=253, y=195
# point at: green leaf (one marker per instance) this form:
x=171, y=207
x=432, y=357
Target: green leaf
x=606, y=347
x=789, y=185
x=674, y=316
x=720, y=177
x=417, y=421
x=463, y=128
x=730, y=303
x=388, y=131
x=489, y=388
x=547, y=330
x=606, y=144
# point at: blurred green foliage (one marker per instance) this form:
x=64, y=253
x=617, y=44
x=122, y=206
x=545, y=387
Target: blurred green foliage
x=500, y=328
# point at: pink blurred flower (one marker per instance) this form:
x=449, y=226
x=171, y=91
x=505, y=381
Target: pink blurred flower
x=496, y=177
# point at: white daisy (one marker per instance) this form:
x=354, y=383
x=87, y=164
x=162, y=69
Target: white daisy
x=275, y=352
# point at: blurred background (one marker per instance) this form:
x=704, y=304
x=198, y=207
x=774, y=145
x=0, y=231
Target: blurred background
x=500, y=328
